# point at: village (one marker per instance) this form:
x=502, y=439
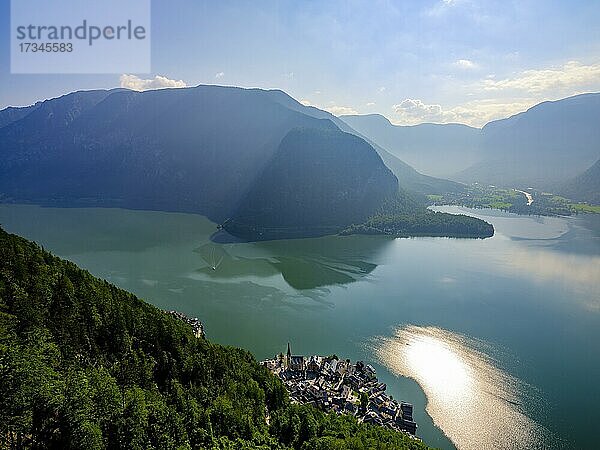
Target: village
x=337, y=385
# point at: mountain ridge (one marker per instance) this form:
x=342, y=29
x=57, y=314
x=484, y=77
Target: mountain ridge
x=436, y=149
x=310, y=198
x=584, y=187
x=152, y=137
x=197, y=150
x=543, y=147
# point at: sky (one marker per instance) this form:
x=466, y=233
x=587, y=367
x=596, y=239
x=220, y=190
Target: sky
x=465, y=61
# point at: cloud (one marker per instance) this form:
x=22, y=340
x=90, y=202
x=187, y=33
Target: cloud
x=371, y=104
x=479, y=112
x=495, y=97
x=415, y=111
x=475, y=113
x=158, y=82
x=341, y=110
x=333, y=109
x=570, y=75
x=465, y=64
x=219, y=75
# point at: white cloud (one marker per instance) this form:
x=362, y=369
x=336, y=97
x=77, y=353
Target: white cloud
x=341, y=110
x=495, y=97
x=479, y=112
x=333, y=109
x=382, y=89
x=415, y=111
x=158, y=82
x=570, y=75
x=219, y=75
x=499, y=97
x=475, y=113
x=465, y=64
x=371, y=104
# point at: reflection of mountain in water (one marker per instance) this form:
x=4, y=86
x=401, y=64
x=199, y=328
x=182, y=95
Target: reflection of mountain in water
x=304, y=264
x=310, y=274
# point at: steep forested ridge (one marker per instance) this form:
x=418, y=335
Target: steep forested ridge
x=318, y=182
x=86, y=365
x=584, y=187
x=424, y=223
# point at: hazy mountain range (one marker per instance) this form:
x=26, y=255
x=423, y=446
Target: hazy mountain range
x=258, y=159
x=543, y=147
x=225, y=152
x=436, y=149
x=584, y=187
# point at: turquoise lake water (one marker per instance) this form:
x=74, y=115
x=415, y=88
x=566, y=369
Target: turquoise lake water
x=498, y=338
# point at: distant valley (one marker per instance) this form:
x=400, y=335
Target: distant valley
x=436, y=149
x=551, y=146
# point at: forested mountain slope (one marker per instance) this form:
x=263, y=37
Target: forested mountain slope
x=86, y=365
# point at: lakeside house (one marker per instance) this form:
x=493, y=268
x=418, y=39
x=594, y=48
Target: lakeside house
x=336, y=385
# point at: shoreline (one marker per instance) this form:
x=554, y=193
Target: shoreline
x=336, y=385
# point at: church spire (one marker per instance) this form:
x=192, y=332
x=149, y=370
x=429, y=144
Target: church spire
x=289, y=356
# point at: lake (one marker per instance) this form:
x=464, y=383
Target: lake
x=498, y=338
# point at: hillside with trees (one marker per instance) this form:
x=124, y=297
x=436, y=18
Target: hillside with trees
x=86, y=365
x=318, y=182
x=425, y=223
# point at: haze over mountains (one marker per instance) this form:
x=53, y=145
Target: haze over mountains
x=408, y=178
x=584, y=187
x=543, y=147
x=165, y=149
x=436, y=149
x=218, y=151
x=259, y=159
x=307, y=194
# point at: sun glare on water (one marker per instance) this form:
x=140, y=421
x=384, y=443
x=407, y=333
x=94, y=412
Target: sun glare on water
x=473, y=401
